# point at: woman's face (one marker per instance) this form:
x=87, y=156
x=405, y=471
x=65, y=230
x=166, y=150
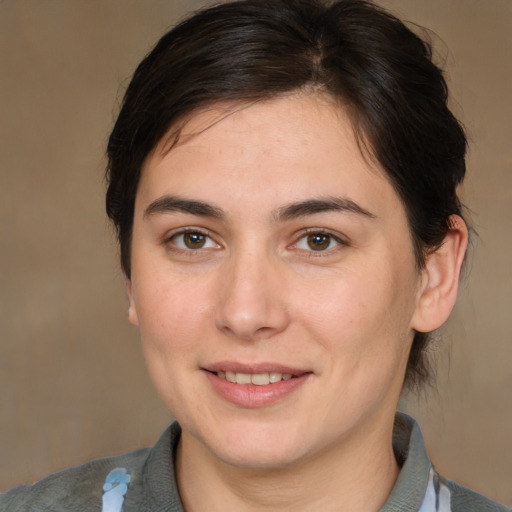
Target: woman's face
x=267, y=250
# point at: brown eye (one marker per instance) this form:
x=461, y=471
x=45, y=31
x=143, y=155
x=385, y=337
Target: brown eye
x=319, y=241
x=194, y=240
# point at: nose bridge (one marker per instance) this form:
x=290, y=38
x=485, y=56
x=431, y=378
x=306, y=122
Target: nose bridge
x=250, y=305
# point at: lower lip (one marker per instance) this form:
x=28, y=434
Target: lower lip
x=252, y=396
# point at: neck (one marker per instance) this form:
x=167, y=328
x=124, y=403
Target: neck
x=355, y=475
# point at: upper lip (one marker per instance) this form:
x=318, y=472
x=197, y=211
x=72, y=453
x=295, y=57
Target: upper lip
x=254, y=368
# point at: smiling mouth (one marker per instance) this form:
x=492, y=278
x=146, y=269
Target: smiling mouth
x=257, y=379
x=256, y=385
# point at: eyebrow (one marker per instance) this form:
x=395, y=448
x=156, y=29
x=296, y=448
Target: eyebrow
x=168, y=204
x=327, y=204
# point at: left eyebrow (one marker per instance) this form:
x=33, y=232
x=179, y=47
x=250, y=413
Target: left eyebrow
x=169, y=204
x=327, y=204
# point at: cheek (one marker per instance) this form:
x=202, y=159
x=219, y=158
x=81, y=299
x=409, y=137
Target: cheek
x=172, y=322
x=364, y=315
x=172, y=312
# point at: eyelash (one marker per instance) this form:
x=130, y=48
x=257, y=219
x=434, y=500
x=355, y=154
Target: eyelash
x=340, y=242
x=170, y=241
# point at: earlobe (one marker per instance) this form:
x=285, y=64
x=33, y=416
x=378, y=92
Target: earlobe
x=132, y=310
x=440, y=279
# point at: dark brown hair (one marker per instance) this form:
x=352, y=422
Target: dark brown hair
x=360, y=55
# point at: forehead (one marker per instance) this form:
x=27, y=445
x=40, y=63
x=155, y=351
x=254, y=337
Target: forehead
x=302, y=142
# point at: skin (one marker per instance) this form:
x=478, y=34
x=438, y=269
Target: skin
x=259, y=292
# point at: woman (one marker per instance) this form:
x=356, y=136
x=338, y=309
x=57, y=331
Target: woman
x=282, y=176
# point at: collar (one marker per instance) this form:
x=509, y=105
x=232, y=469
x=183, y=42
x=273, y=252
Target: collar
x=407, y=495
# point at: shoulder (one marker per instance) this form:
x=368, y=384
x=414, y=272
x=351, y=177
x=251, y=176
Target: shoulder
x=466, y=500
x=139, y=481
x=79, y=488
x=443, y=495
x=419, y=487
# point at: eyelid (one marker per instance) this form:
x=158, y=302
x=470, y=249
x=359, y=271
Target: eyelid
x=168, y=238
x=337, y=237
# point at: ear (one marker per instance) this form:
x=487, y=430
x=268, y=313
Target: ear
x=132, y=310
x=440, y=279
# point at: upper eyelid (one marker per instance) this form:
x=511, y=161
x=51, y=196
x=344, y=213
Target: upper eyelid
x=169, y=235
x=338, y=237
x=324, y=231
x=188, y=229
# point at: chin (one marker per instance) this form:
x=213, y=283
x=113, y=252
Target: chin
x=256, y=457
x=256, y=446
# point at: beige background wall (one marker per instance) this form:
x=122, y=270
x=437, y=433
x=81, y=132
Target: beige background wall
x=72, y=380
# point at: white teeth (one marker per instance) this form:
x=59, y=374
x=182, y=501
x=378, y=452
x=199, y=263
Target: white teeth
x=258, y=379
x=243, y=378
x=275, y=377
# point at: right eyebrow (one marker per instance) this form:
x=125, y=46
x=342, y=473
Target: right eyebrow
x=319, y=205
x=167, y=204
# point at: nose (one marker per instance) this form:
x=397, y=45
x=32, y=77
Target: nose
x=251, y=303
